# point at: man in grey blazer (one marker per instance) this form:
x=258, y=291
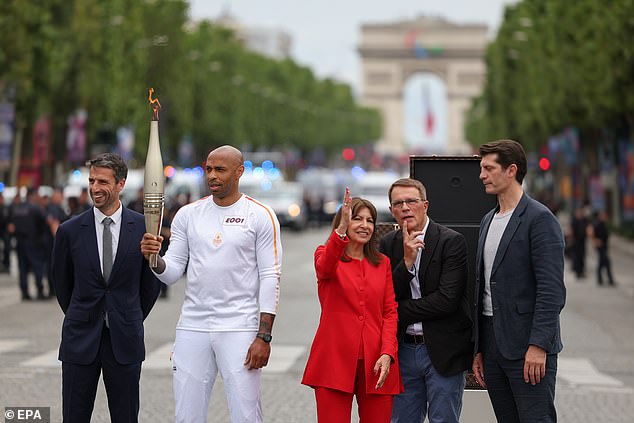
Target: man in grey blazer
x=519, y=292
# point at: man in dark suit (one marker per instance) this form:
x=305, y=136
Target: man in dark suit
x=105, y=289
x=27, y=222
x=519, y=292
x=429, y=270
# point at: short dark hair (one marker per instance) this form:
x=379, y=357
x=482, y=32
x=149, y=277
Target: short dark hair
x=110, y=161
x=370, y=250
x=509, y=152
x=408, y=182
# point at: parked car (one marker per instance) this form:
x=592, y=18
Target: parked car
x=285, y=198
x=374, y=186
x=192, y=183
x=10, y=192
x=323, y=191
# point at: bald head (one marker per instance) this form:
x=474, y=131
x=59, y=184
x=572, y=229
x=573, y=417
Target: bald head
x=224, y=168
x=228, y=154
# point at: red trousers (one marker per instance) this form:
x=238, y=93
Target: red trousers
x=335, y=406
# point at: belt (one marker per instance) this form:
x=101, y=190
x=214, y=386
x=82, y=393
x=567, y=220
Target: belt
x=413, y=339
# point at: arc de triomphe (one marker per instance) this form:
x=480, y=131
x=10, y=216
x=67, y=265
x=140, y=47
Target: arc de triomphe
x=391, y=53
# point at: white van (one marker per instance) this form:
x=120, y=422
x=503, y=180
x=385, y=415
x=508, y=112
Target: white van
x=374, y=187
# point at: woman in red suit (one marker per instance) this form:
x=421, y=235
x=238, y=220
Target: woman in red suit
x=355, y=349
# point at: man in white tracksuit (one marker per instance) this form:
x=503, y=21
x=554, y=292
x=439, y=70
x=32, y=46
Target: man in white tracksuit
x=230, y=245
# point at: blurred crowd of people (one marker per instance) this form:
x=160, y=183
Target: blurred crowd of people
x=593, y=226
x=28, y=226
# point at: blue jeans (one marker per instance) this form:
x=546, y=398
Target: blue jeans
x=426, y=391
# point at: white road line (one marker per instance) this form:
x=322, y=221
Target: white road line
x=159, y=358
x=581, y=371
x=7, y=345
x=283, y=357
x=48, y=359
x=576, y=371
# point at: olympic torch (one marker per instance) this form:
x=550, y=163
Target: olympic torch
x=154, y=181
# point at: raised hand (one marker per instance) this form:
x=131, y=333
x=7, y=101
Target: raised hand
x=346, y=213
x=411, y=245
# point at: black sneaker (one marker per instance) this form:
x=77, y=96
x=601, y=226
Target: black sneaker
x=26, y=297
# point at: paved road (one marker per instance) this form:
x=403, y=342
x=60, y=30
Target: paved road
x=596, y=369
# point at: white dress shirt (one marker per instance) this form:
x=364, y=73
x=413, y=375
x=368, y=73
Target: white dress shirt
x=417, y=328
x=115, y=228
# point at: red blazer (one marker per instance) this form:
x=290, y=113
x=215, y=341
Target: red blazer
x=357, y=306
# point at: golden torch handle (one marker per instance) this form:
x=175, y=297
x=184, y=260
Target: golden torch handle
x=153, y=211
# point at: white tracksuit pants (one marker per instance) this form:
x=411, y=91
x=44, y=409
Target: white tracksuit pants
x=197, y=359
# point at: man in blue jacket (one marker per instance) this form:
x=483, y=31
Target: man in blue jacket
x=105, y=289
x=519, y=292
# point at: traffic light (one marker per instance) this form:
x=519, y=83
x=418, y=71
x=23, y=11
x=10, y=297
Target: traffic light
x=544, y=164
x=348, y=154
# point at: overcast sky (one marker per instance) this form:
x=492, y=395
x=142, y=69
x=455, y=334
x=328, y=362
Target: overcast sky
x=325, y=32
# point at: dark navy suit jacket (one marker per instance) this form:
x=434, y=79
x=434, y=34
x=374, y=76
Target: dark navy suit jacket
x=527, y=281
x=84, y=295
x=444, y=308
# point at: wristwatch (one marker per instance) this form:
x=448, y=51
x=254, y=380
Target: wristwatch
x=266, y=337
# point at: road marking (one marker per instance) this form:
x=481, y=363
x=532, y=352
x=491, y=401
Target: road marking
x=159, y=358
x=575, y=371
x=283, y=357
x=7, y=345
x=48, y=359
x=581, y=371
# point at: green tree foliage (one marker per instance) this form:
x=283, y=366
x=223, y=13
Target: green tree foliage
x=554, y=64
x=62, y=55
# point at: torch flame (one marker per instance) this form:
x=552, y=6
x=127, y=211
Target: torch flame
x=154, y=103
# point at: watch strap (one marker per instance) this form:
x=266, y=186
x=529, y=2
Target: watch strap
x=266, y=337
